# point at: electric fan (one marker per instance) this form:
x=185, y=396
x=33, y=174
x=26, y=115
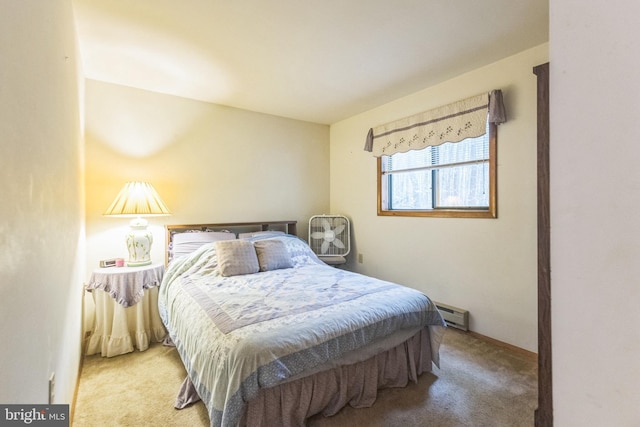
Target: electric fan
x=329, y=238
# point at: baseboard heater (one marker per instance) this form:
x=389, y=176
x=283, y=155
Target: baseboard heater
x=455, y=317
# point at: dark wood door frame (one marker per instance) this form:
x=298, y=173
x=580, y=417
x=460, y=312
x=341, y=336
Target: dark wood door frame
x=544, y=413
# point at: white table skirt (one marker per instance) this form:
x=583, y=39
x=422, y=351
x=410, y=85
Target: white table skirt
x=119, y=329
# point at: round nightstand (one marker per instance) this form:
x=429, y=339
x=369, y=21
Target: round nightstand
x=126, y=314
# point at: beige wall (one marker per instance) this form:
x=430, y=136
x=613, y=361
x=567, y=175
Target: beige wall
x=487, y=266
x=42, y=208
x=595, y=199
x=209, y=163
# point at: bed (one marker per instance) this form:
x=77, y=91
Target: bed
x=270, y=335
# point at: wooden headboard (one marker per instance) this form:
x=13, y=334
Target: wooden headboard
x=288, y=227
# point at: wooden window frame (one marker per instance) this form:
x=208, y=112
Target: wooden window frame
x=491, y=212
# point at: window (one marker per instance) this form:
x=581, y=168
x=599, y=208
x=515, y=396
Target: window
x=449, y=180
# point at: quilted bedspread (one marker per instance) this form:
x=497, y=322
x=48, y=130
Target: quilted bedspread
x=239, y=334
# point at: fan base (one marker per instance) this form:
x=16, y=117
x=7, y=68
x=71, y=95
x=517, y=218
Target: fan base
x=333, y=259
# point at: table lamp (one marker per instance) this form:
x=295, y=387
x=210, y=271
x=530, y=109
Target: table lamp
x=138, y=199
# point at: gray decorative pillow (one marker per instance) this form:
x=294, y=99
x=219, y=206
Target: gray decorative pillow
x=272, y=255
x=236, y=257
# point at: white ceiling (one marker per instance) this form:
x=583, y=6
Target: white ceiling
x=314, y=60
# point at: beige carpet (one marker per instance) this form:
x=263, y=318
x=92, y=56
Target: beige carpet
x=478, y=384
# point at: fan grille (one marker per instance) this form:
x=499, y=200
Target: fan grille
x=329, y=235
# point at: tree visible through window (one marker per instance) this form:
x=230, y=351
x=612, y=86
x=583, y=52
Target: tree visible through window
x=453, y=179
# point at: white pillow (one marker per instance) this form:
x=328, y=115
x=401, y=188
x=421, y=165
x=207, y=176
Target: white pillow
x=188, y=241
x=267, y=233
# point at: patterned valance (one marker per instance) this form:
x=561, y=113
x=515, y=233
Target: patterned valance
x=451, y=123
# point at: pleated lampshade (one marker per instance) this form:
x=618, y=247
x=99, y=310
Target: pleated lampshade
x=137, y=199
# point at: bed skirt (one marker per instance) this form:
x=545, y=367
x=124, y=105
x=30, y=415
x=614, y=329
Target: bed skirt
x=291, y=403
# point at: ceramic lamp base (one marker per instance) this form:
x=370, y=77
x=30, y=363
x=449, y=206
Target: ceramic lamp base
x=139, y=241
x=138, y=264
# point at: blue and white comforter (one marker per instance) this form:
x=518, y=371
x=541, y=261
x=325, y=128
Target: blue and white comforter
x=239, y=334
